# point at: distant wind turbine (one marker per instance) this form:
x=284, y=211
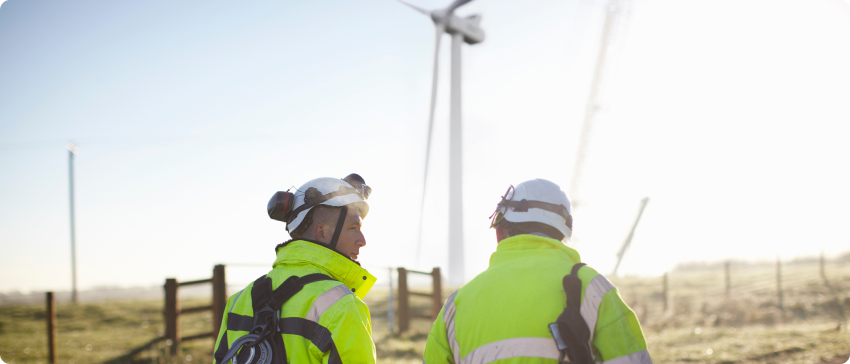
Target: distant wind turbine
x=461, y=30
x=625, y=246
x=613, y=15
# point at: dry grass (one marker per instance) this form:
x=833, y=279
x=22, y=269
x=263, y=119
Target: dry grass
x=700, y=325
x=97, y=332
x=786, y=343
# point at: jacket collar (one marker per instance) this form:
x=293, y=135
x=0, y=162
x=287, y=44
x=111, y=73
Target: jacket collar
x=518, y=243
x=331, y=262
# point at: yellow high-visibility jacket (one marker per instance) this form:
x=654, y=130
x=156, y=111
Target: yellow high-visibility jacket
x=333, y=323
x=503, y=314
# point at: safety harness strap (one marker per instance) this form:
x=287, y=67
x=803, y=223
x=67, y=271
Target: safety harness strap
x=266, y=304
x=319, y=335
x=573, y=330
x=573, y=284
x=221, y=351
x=283, y=294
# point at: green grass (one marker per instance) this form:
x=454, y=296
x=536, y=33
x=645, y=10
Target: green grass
x=96, y=332
x=748, y=327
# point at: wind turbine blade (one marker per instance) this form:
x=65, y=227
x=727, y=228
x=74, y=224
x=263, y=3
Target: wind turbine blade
x=439, y=28
x=414, y=7
x=456, y=4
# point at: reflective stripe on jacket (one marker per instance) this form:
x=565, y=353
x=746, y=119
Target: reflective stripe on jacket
x=326, y=322
x=503, y=313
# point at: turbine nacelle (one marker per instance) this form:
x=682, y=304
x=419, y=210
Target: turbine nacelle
x=467, y=27
x=453, y=24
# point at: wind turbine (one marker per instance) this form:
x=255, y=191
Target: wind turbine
x=613, y=15
x=461, y=30
x=625, y=246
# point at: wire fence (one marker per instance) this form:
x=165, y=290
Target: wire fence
x=738, y=293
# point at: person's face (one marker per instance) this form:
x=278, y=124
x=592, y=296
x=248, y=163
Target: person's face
x=351, y=239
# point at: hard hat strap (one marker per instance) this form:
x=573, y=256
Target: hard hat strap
x=523, y=206
x=339, y=226
x=310, y=202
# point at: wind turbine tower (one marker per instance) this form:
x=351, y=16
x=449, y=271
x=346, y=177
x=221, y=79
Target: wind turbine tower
x=461, y=30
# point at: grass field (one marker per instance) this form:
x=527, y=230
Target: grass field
x=700, y=324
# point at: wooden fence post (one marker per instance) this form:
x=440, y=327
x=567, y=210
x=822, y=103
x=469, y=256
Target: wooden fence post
x=779, y=284
x=728, y=281
x=403, y=305
x=390, y=303
x=665, y=293
x=172, y=312
x=823, y=271
x=219, y=299
x=437, y=296
x=51, y=328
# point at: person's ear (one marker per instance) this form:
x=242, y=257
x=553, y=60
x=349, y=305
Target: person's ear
x=319, y=233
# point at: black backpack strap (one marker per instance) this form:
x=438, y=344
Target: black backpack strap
x=278, y=350
x=571, y=328
x=263, y=295
x=261, y=292
x=572, y=286
x=283, y=293
x=267, y=303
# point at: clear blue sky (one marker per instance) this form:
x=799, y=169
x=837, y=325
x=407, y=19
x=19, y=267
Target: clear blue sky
x=731, y=115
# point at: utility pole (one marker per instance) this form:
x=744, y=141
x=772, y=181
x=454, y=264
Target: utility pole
x=72, y=150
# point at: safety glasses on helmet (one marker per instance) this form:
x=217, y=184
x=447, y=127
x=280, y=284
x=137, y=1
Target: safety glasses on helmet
x=497, y=215
x=359, y=183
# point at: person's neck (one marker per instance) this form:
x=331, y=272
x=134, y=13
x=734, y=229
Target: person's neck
x=534, y=234
x=319, y=243
x=313, y=240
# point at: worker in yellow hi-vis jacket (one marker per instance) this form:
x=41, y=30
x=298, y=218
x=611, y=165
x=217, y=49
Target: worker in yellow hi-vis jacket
x=536, y=303
x=308, y=308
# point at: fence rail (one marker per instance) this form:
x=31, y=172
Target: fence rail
x=404, y=293
x=172, y=312
x=200, y=281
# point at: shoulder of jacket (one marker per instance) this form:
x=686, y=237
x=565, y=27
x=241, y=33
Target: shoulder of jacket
x=349, y=305
x=587, y=273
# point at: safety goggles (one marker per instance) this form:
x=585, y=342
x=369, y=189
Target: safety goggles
x=359, y=184
x=497, y=215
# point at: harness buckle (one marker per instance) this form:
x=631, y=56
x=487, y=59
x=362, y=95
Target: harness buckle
x=265, y=322
x=253, y=343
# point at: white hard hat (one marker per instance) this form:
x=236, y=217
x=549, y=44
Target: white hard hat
x=293, y=207
x=537, y=200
